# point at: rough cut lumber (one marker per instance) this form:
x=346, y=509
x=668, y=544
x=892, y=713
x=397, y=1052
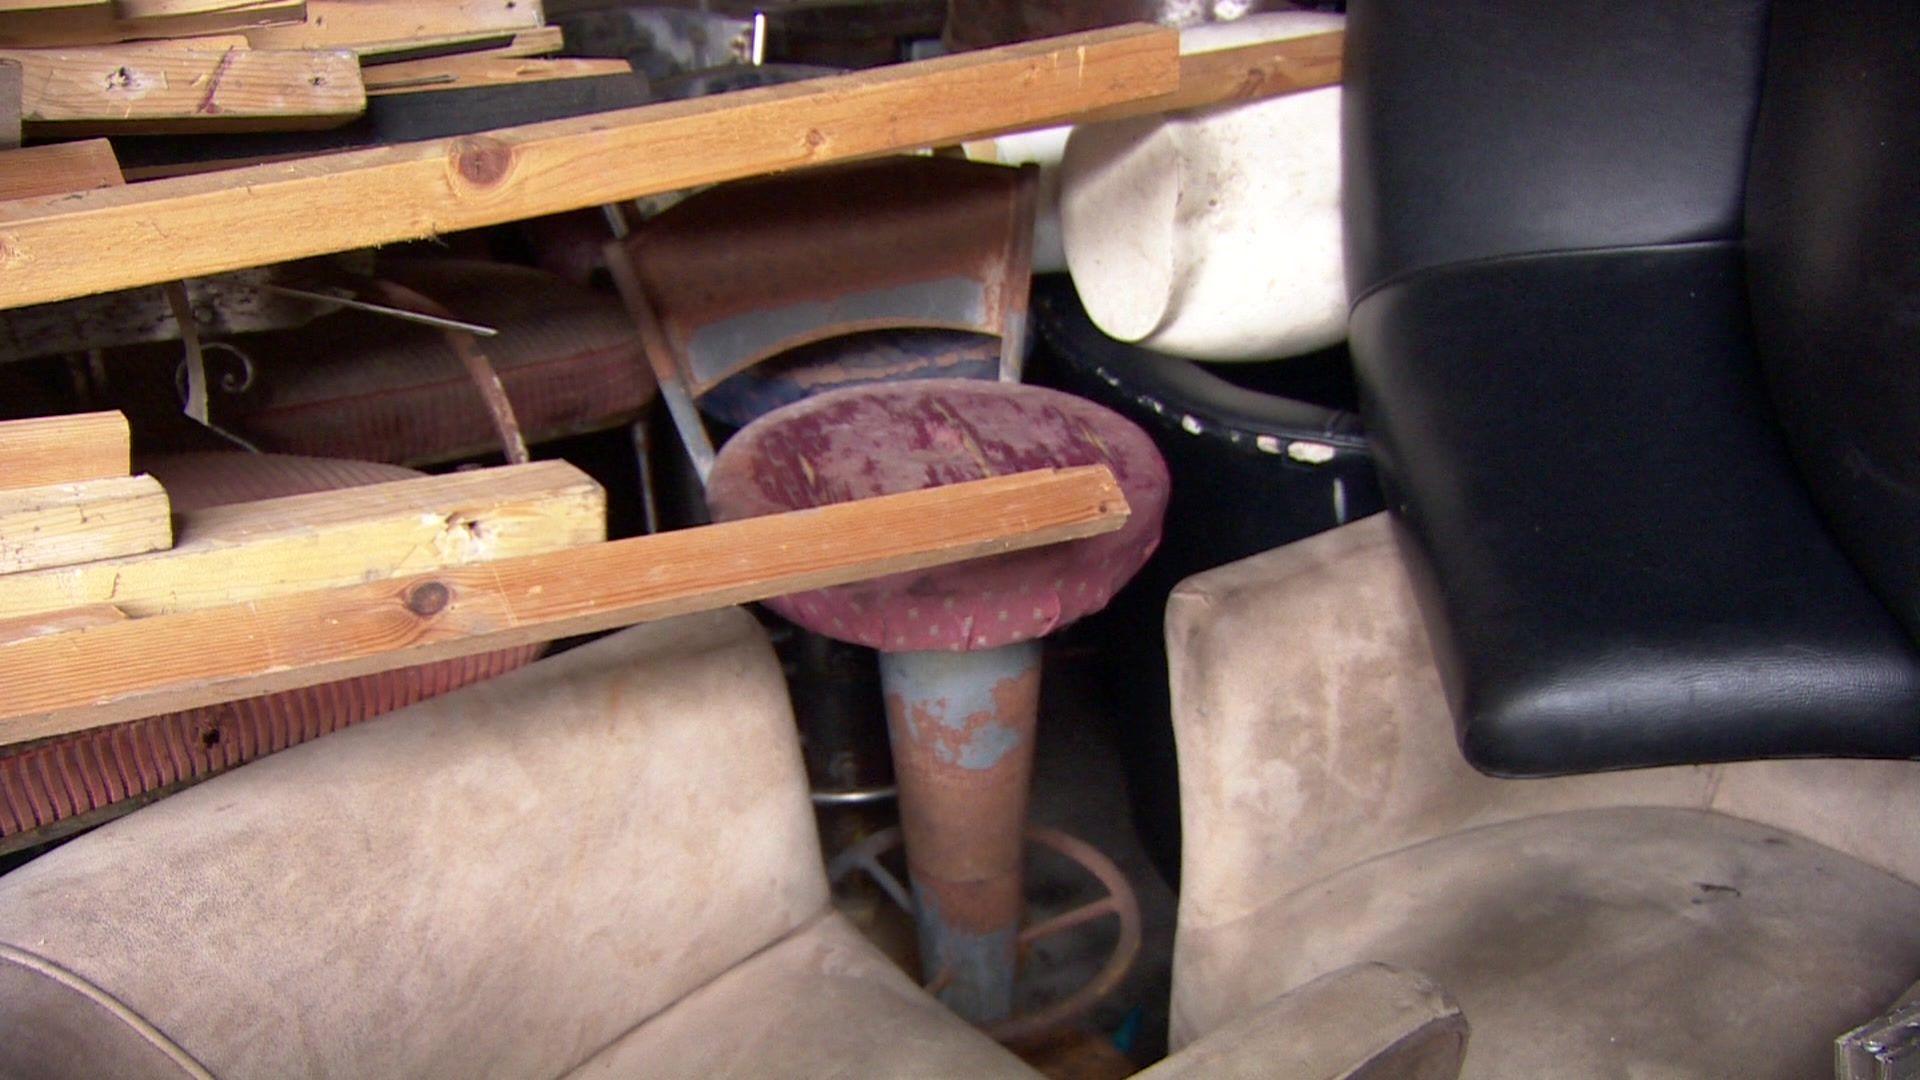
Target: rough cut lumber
x=132, y=89
x=540, y=41
x=252, y=551
x=58, y=622
x=203, y=43
x=1244, y=73
x=360, y=24
x=459, y=72
x=190, y=226
x=63, y=524
x=404, y=118
x=105, y=674
x=58, y=168
x=64, y=449
x=67, y=23
x=12, y=104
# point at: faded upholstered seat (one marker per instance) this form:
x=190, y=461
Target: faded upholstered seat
x=1690, y=921
x=603, y=865
x=1637, y=350
x=886, y=439
x=587, y=864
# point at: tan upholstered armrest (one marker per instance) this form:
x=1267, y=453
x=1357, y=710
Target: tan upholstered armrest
x=1365, y=1021
x=1313, y=732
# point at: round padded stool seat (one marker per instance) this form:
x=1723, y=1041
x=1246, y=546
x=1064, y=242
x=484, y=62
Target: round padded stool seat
x=886, y=439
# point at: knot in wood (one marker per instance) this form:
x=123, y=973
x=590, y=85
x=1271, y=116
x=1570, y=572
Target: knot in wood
x=428, y=598
x=482, y=161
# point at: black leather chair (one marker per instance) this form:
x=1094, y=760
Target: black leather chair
x=1636, y=319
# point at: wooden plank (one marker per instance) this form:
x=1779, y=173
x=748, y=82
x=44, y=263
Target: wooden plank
x=63, y=524
x=460, y=72
x=12, y=104
x=1244, y=73
x=58, y=622
x=207, y=224
x=54, y=21
x=58, y=168
x=405, y=118
x=359, y=24
x=538, y=41
x=102, y=675
x=224, y=19
x=201, y=43
x=64, y=449
x=253, y=551
x=57, y=24
x=132, y=89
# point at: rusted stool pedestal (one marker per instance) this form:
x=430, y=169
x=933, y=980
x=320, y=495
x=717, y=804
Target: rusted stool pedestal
x=960, y=645
x=962, y=726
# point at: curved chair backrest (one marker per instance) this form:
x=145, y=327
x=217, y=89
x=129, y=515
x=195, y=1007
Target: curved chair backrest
x=1646, y=402
x=741, y=273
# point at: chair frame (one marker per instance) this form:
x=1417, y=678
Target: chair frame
x=903, y=242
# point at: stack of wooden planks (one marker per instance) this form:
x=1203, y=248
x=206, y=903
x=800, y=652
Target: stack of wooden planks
x=267, y=596
x=118, y=67
x=66, y=496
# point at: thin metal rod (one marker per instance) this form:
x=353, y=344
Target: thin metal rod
x=486, y=379
x=1067, y=920
x=885, y=879
x=402, y=314
x=856, y=796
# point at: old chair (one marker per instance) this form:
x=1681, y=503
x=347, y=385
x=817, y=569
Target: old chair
x=1633, y=316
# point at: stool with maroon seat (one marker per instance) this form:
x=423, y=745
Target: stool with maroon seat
x=960, y=652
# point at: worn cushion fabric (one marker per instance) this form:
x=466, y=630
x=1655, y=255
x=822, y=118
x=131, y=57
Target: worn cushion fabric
x=1303, y=764
x=823, y=1004
x=1362, y=1021
x=880, y=440
x=498, y=882
x=1625, y=942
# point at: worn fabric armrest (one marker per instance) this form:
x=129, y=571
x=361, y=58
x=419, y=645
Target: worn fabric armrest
x=1364, y=1021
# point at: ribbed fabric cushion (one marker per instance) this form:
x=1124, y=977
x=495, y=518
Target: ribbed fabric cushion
x=353, y=384
x=50, y=781
x=884, y=439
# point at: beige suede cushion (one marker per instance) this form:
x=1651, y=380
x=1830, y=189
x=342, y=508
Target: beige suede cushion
x=1617, y=943
x=1314, y=738
x=1362, y=1022
x=822, y=1004
x=499, y=882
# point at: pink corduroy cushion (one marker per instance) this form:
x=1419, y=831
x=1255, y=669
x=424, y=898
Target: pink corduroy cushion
x=885, y=439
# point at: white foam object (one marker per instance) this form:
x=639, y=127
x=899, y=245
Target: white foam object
x=1213, y=234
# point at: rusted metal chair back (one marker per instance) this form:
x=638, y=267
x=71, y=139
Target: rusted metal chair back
x=741, y=273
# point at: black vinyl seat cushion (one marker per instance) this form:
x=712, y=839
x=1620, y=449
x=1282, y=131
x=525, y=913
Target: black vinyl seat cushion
x=1622, y=567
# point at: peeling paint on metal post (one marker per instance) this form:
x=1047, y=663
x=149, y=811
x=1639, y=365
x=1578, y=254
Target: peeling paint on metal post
x=962, y=727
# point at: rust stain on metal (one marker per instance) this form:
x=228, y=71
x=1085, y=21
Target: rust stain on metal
x=962, y=729
x=820, y=241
